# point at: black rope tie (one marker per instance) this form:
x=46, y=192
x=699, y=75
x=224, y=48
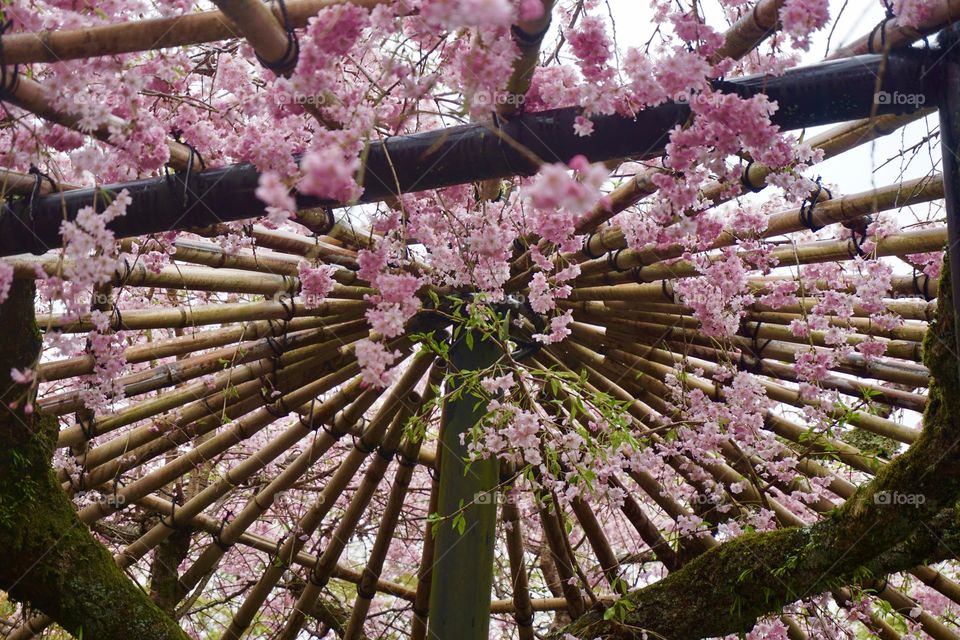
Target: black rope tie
x=218, y=536
x=173, y=517
x=318, y=580
x=86, y=426
x=187, y=199
x=363, y=447
x=857, y=238
x=118, y=323
x=364, y=593
x=276, y=553
x=745, y=179
x=757, y=349
x=406, y=461
x=613, y=258
x=36, y=247
x=385, y=454
x=809, y=204
x=587, y=251
x=882, y=27
x=525, y=621
x=289, y=307
x=114, y=500
x=925, y=291
x=288, y=60
x=8, y=81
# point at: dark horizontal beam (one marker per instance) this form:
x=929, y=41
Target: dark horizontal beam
x=821, y=94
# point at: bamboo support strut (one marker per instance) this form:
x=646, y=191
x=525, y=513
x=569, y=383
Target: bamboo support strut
x=628, y=264
x=147, y=35
x=243, y=617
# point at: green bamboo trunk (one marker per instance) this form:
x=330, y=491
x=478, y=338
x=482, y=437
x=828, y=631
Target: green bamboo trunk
x=463, y=565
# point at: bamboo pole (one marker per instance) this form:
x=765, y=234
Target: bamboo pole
x=237, y=474
x=182, y=317
x=320, y=444
x=203, y=394
x=193, y=278
x=188, y=368
x=288, y=243
x=889, y=35
x=297, y=385
x=243, y=617
x=30, y=95
x=463, y=566
x=421, y=603
x=523, y=608
x=901, y=372
x=319, y=575
x=147, y=35
x=659, y=364
x=841, y=210
x=629, y=267
x=180, y=345
x=367, y=586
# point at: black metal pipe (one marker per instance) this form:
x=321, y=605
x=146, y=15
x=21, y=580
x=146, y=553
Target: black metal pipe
x=821, y=94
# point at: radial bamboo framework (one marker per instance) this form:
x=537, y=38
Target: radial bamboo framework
x=243, y=422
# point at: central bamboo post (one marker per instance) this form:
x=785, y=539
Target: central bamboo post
x=464, y=539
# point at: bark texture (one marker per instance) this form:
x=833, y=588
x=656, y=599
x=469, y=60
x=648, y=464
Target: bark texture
x=48, y=558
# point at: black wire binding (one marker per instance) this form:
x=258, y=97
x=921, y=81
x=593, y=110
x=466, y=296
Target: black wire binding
x=406, y=461
x=745, y=179
x=8, y=81
x=275, y=556
x=173, y=517
x=289, y=58
x=587, y=251
x=37, y=248
x=925, y=291
x=86, y=426
x=217, y=537
x=857, y=238
x=363, y=447
x=188, y=174
x=289, y=306
x=318, y=581
x=363, y=593
x=882, y=26
x=118, y=326
x=385, y=454
x=809, y=204
x=612, y=259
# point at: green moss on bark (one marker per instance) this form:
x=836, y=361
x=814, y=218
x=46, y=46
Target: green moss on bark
x=50, y=560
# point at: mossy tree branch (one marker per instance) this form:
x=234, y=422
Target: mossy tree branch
x=50, y=560
x=727, y=589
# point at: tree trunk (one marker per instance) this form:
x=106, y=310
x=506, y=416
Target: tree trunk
x=50, y=559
